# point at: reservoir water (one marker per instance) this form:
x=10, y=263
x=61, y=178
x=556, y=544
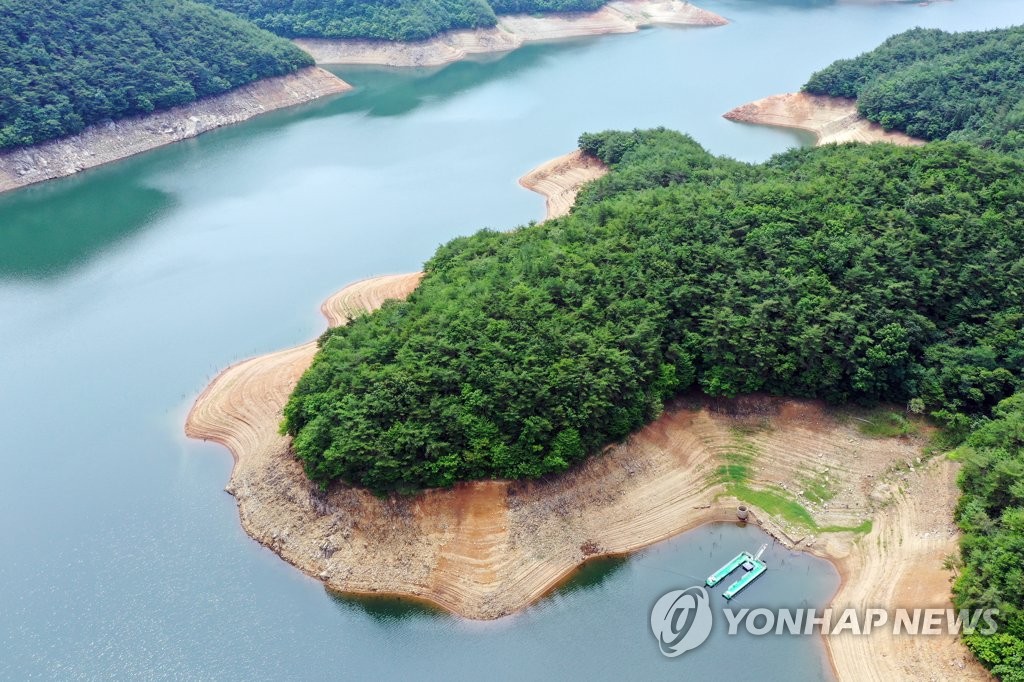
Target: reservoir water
x=125, y=289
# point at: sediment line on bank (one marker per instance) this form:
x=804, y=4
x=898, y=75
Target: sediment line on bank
x=830, y=119
x=512, y=31
x=116, y=140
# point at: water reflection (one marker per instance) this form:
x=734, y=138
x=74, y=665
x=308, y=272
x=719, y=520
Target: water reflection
x=593, y=574
x=384, y=92
x=47, y=231
x=763, y=4
x=392, y=609
x=387, y=609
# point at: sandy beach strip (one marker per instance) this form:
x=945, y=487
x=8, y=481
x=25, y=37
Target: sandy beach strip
x=116, y=140
x=512, y=31
x=830, y=119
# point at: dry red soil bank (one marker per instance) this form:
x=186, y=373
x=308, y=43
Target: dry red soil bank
x=560, y=179
x=831, y=119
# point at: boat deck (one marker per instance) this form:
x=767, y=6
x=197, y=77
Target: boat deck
x=719, y=575
x=747, y=578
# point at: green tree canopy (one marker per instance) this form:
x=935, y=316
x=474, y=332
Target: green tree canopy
x=66, y=64
x=387, y=19
x=939, y=86
x=991, y=515
x=852, y=273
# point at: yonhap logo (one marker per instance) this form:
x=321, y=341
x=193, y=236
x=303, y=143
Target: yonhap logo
x=681, y=620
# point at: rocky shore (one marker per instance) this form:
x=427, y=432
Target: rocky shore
x=830, y=119
x=103, y=143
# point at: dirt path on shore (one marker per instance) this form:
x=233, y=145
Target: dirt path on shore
x=831, y=119
x=512, y=31
x=107, y=142
x=899, y=565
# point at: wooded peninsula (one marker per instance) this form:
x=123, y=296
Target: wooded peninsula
x=853, y=273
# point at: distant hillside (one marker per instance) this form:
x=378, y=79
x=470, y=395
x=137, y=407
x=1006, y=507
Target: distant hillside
x=939, y=86
x=66, y=64
x=386, y=19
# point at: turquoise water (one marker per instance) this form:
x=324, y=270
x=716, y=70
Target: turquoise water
x=124, y=290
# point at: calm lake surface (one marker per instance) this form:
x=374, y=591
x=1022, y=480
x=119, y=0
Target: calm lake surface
x=124, y=290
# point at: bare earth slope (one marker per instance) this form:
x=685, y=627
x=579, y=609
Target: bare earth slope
x=831, y=119
x=559, y=180
x=487, y=549
x=619, y=16
x=108, y=142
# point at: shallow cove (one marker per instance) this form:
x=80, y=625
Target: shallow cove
x=124, y=290
x=598, y=620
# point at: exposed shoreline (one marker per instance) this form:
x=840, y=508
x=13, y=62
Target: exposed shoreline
x=560, y=179
x=830, y=119
x=107, y=142
x=487, y=549
x=512, y=31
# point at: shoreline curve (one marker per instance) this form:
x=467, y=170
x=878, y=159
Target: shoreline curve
x=829, y=119
x=105, y=143
x=512, y=32
x=560, y=180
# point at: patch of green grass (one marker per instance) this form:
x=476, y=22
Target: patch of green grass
x=735, y=467
x=886, y=424
x=735, y=473
x=861, y=529
x=817, y=488
x=778, y=504
x=775, y=503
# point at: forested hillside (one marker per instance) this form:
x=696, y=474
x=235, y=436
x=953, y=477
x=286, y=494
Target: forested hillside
x=855, y=273
x=533, y=6
x=991, y=514
x=386, y=19
x=65, y=64
x=967, y=86
x=937, y=85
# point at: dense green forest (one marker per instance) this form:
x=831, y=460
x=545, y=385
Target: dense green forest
x=854, y=273
x=967, y=86
x=386, y=19
x=939, y=86
x=535, y=6
x=375, y=19
x=991, y=514
x=65, y=64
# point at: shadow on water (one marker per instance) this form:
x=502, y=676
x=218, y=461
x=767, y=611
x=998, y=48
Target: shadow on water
x=392, y=609
x=592, y=574
x=47, y=231
x=382, y=91
x=388, y=609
